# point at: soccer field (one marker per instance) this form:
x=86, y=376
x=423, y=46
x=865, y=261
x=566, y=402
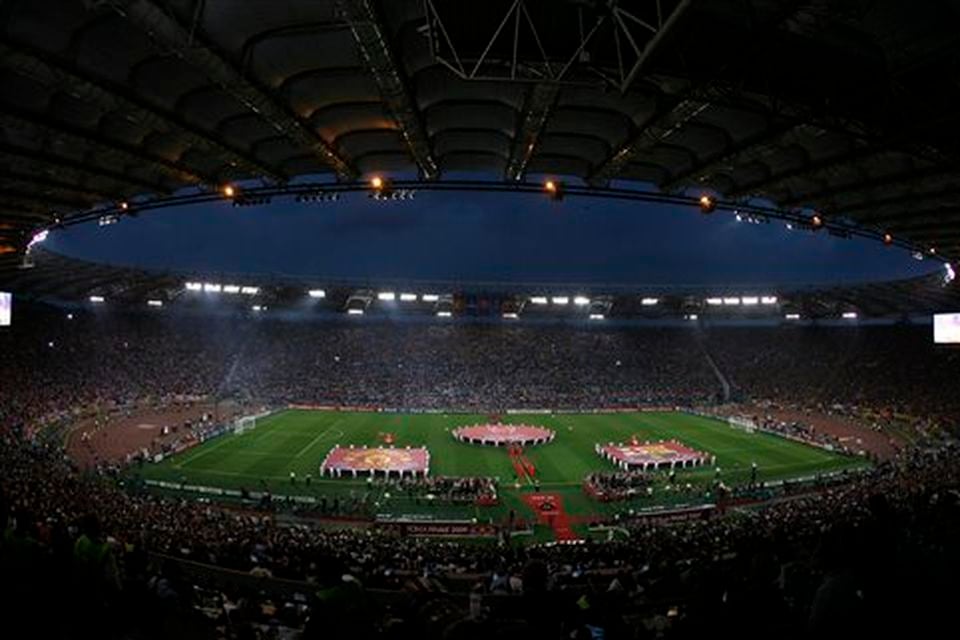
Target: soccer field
x=298, y=441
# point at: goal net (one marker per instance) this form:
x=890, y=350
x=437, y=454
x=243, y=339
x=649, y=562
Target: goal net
x=244, y=424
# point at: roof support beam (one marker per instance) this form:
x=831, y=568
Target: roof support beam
x=878, y=209
x=47, y=182
x=55, y=75
x=163, y=28
x=657, y=129
x=537, y=108
x=753, y=148
x=819, y=167
x=120, y=153
x=58, y=164
x=368, y=32
x=907, y=179
x=929, y=220
x=7, y=191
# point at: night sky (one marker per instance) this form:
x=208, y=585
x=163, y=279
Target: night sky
x=490, y=237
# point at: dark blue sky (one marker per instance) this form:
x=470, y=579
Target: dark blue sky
x=485, y=237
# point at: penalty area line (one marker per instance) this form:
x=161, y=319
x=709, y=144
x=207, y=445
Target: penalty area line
x=319, y=437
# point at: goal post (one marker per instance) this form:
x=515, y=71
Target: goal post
x=249, y=423
x=244, y=424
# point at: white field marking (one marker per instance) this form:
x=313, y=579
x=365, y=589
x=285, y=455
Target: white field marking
x=196, y=455
x=319, y=437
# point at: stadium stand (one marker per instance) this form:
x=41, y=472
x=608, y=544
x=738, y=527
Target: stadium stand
x=139, y=543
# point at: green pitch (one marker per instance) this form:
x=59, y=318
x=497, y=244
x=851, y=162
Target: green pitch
x=297, y=441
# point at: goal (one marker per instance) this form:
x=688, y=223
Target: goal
x=244, y=424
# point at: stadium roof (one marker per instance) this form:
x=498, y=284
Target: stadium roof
x=842, y=107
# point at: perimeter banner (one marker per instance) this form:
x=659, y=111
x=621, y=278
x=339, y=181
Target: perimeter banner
x=440, y=529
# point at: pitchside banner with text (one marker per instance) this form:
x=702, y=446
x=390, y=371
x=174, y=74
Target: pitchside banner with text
x=6, y=305
x=946, y=328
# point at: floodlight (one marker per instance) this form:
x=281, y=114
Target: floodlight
x=707, y=204
x=816, y=221
x=750, y=300
x=887, y=239
x=387, y=296
x=355, y=312
x=317, y=293
x=538, y=300
x=510, y=315
x=561, y=300
x=554, y=189
x=731, y=301
x=257, y=307
x=194, y=286
x=692, y=316
x=430, y=297
x=792, y=316
x=96, y=299
x=444, y=314
x=408, y=297
x=769, y=299
x=155, y=303
x=212, y=287
x=580, y=301
x=249, y=291
x=849, y=315
x=714, y=301
x=231, y=288
x=649, y=302
x=228, y=191
x=597, y=316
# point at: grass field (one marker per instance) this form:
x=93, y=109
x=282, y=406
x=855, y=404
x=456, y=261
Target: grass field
x=297, y=440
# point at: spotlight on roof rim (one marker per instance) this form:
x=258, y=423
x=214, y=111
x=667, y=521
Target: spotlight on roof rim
x=816, y=221
x=228, y=190
x=887, y=239
x=554, y=189
x=707, y=204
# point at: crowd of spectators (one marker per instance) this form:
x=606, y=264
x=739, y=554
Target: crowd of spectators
x=55, y=364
